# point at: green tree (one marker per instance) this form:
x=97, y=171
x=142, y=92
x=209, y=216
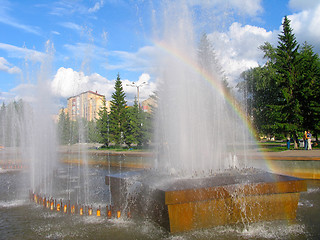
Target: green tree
x=209, y=62
x=93, y=132
x=82, y=125
x=283, y=94
x=146, y=124
x=74, y=132
x=2, y=124
x=15, y=122
x=289, y=116
x=64, y=127
x=138, y=126
x=309, y=88
x=117, y=117
x=207, y=57
x=103, y=125
x=70, y=132
x=133, y=124
x=272, y=90
x=151, y=117
x=261, y=93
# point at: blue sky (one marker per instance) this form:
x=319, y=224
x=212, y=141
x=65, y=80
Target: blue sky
x=89, y=42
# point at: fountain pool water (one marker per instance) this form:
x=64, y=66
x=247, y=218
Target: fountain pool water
x=22, y=219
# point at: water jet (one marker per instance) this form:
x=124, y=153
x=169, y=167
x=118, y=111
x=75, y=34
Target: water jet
x=198, y=180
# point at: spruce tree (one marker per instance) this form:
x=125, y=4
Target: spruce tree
x=74, y=132
x=93, y=132
x=289, y=116
x=263, y=92
x=64, y=128
x=146, y=132
x=2, y=124
x=309, y=93
x=258, y=94
x=103, y=125
x=283, y=95
x=117, y=116
x=207, y=57
x=133, y=124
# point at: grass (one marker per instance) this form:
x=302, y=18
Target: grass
x=281, y=146
x=274, y=149
x=124, y=149
x=271, y=146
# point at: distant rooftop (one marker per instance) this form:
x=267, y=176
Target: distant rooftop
x=96, y=93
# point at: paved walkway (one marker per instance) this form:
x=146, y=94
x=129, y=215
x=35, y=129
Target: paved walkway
x=299, y=154
x=294, y=154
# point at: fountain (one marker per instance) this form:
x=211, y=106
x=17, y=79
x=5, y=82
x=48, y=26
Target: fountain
x=27, y=127
x=28, y=132
x=198, y=180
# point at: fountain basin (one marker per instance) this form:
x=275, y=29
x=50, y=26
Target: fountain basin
x=308, y=167
x=188, y=204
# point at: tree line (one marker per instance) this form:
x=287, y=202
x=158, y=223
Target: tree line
x=123, y=126
x=282, y=96
x=12, y=120
x=281, y=99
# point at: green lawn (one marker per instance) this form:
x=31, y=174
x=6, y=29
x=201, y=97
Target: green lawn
x=281, y=146
x=275, y=146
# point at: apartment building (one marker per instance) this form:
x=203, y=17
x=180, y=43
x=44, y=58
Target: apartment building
x=85, y=105
x=147, y=104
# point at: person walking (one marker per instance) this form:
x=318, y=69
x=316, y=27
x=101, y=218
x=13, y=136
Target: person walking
x=309, y=140
x=305, y=140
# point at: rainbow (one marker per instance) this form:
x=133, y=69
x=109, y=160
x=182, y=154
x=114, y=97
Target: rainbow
x=211, y=80
x=218, y=87
x=184, y=58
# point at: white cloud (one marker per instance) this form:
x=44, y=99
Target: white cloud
x=21, y=52
x=135, y=61
x=145, y=77
x=146, y=88
x=72, y=26
x=250, y=7
x=68, y=82
x=7, y=67
x=86, y=51
x=5, y=18
x=301, y=5
x=64, y=8
x=6, y=96
x=24, y=91
x=55, y=32
x=13, y=23
x=247, y=7
x=305, y=26
x=96, y=7
x=237, y=49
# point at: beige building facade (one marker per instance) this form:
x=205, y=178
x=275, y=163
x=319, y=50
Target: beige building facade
x=147, y=104
x=85, y=105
